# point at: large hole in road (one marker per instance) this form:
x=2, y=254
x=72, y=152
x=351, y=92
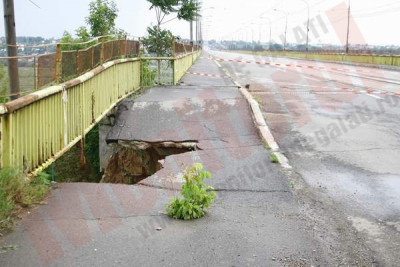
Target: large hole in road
x=133, y=161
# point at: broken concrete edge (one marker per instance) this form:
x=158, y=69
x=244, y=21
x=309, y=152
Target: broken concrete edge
x=142, y=145
x=260, y=123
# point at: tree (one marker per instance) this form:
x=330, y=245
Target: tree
x=68, y=39
x=3, y=84
x=185, y=9
x=82, y=34
x=101, y=19
x=158, y=41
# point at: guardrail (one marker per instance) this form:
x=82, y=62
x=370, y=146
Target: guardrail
x=183, y=63
x=38, y=128
x=390, y=60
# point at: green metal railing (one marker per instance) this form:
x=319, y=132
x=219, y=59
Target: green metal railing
x=183, y=63
x=40, y=127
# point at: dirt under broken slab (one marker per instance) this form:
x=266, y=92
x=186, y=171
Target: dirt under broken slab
x=133, y=161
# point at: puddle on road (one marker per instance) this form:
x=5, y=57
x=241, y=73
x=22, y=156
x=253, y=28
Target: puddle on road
x=134, y=161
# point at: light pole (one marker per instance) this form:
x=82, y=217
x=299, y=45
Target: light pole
x=252, y=30
x=198, y=22
x=284, y=43
x=308, y=21
x=348, y=29
x=270, y=30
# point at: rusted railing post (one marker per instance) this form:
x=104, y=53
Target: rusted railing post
x=112, y=50
x=173, y=47
x=126, y=46
x=82, y=159
x=92, y=63
x=77, y=63
x=35, y=72
x=58, y=64
x=102, y=51
x=173, y=61
x=139, y=52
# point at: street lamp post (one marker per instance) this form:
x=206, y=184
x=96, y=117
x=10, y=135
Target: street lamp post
x=270, y=30
x=252, y=31
x=348, y=29
x=284, y=43
x=308, y=22
x=198, y=30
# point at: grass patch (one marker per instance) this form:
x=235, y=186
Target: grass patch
x=67, y=169
x=257, y=99
x=273, y=158
x=18, y=192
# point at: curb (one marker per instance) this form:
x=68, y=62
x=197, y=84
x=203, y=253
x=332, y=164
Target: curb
x=260, y=123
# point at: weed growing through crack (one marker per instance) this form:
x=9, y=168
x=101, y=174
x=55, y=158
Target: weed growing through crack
x=273, y=158
x=197, y=196
x=257, y=99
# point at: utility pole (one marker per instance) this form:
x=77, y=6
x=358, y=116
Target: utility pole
x=191, y=31
x=197, y=24
x=284, y=43
x=308, y=22
x=348, y=29
x=12, y=50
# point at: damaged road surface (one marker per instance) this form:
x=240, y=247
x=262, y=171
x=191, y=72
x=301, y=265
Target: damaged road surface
x=132, y=161
x=169, y=121
x=255, y=220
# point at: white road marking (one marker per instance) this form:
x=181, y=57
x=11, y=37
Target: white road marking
x=313, y=79
x=374, y=96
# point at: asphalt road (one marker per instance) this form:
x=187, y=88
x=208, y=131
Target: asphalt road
x=339, y=126
x=256, y=220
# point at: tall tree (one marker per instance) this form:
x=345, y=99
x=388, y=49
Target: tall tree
x=157, y=40
x=184, y=9
x=101, y=19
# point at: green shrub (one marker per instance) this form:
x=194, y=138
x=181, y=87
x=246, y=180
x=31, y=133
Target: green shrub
x=197, y=196
x=16, y=192
x=91, y=150
x=148, y=75
x=273, y=158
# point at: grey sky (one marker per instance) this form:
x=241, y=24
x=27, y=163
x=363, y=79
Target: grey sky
x=225, y=18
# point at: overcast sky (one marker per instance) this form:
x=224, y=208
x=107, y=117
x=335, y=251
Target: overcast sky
x=375, y=22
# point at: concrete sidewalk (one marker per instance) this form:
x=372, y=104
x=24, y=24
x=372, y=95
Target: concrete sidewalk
x=255, y=220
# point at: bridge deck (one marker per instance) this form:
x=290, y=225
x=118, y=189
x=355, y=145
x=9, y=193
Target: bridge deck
x=255, y=217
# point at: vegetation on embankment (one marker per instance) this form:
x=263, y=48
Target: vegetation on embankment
x=68, y=167
x=18, y=192
x=389, y=60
